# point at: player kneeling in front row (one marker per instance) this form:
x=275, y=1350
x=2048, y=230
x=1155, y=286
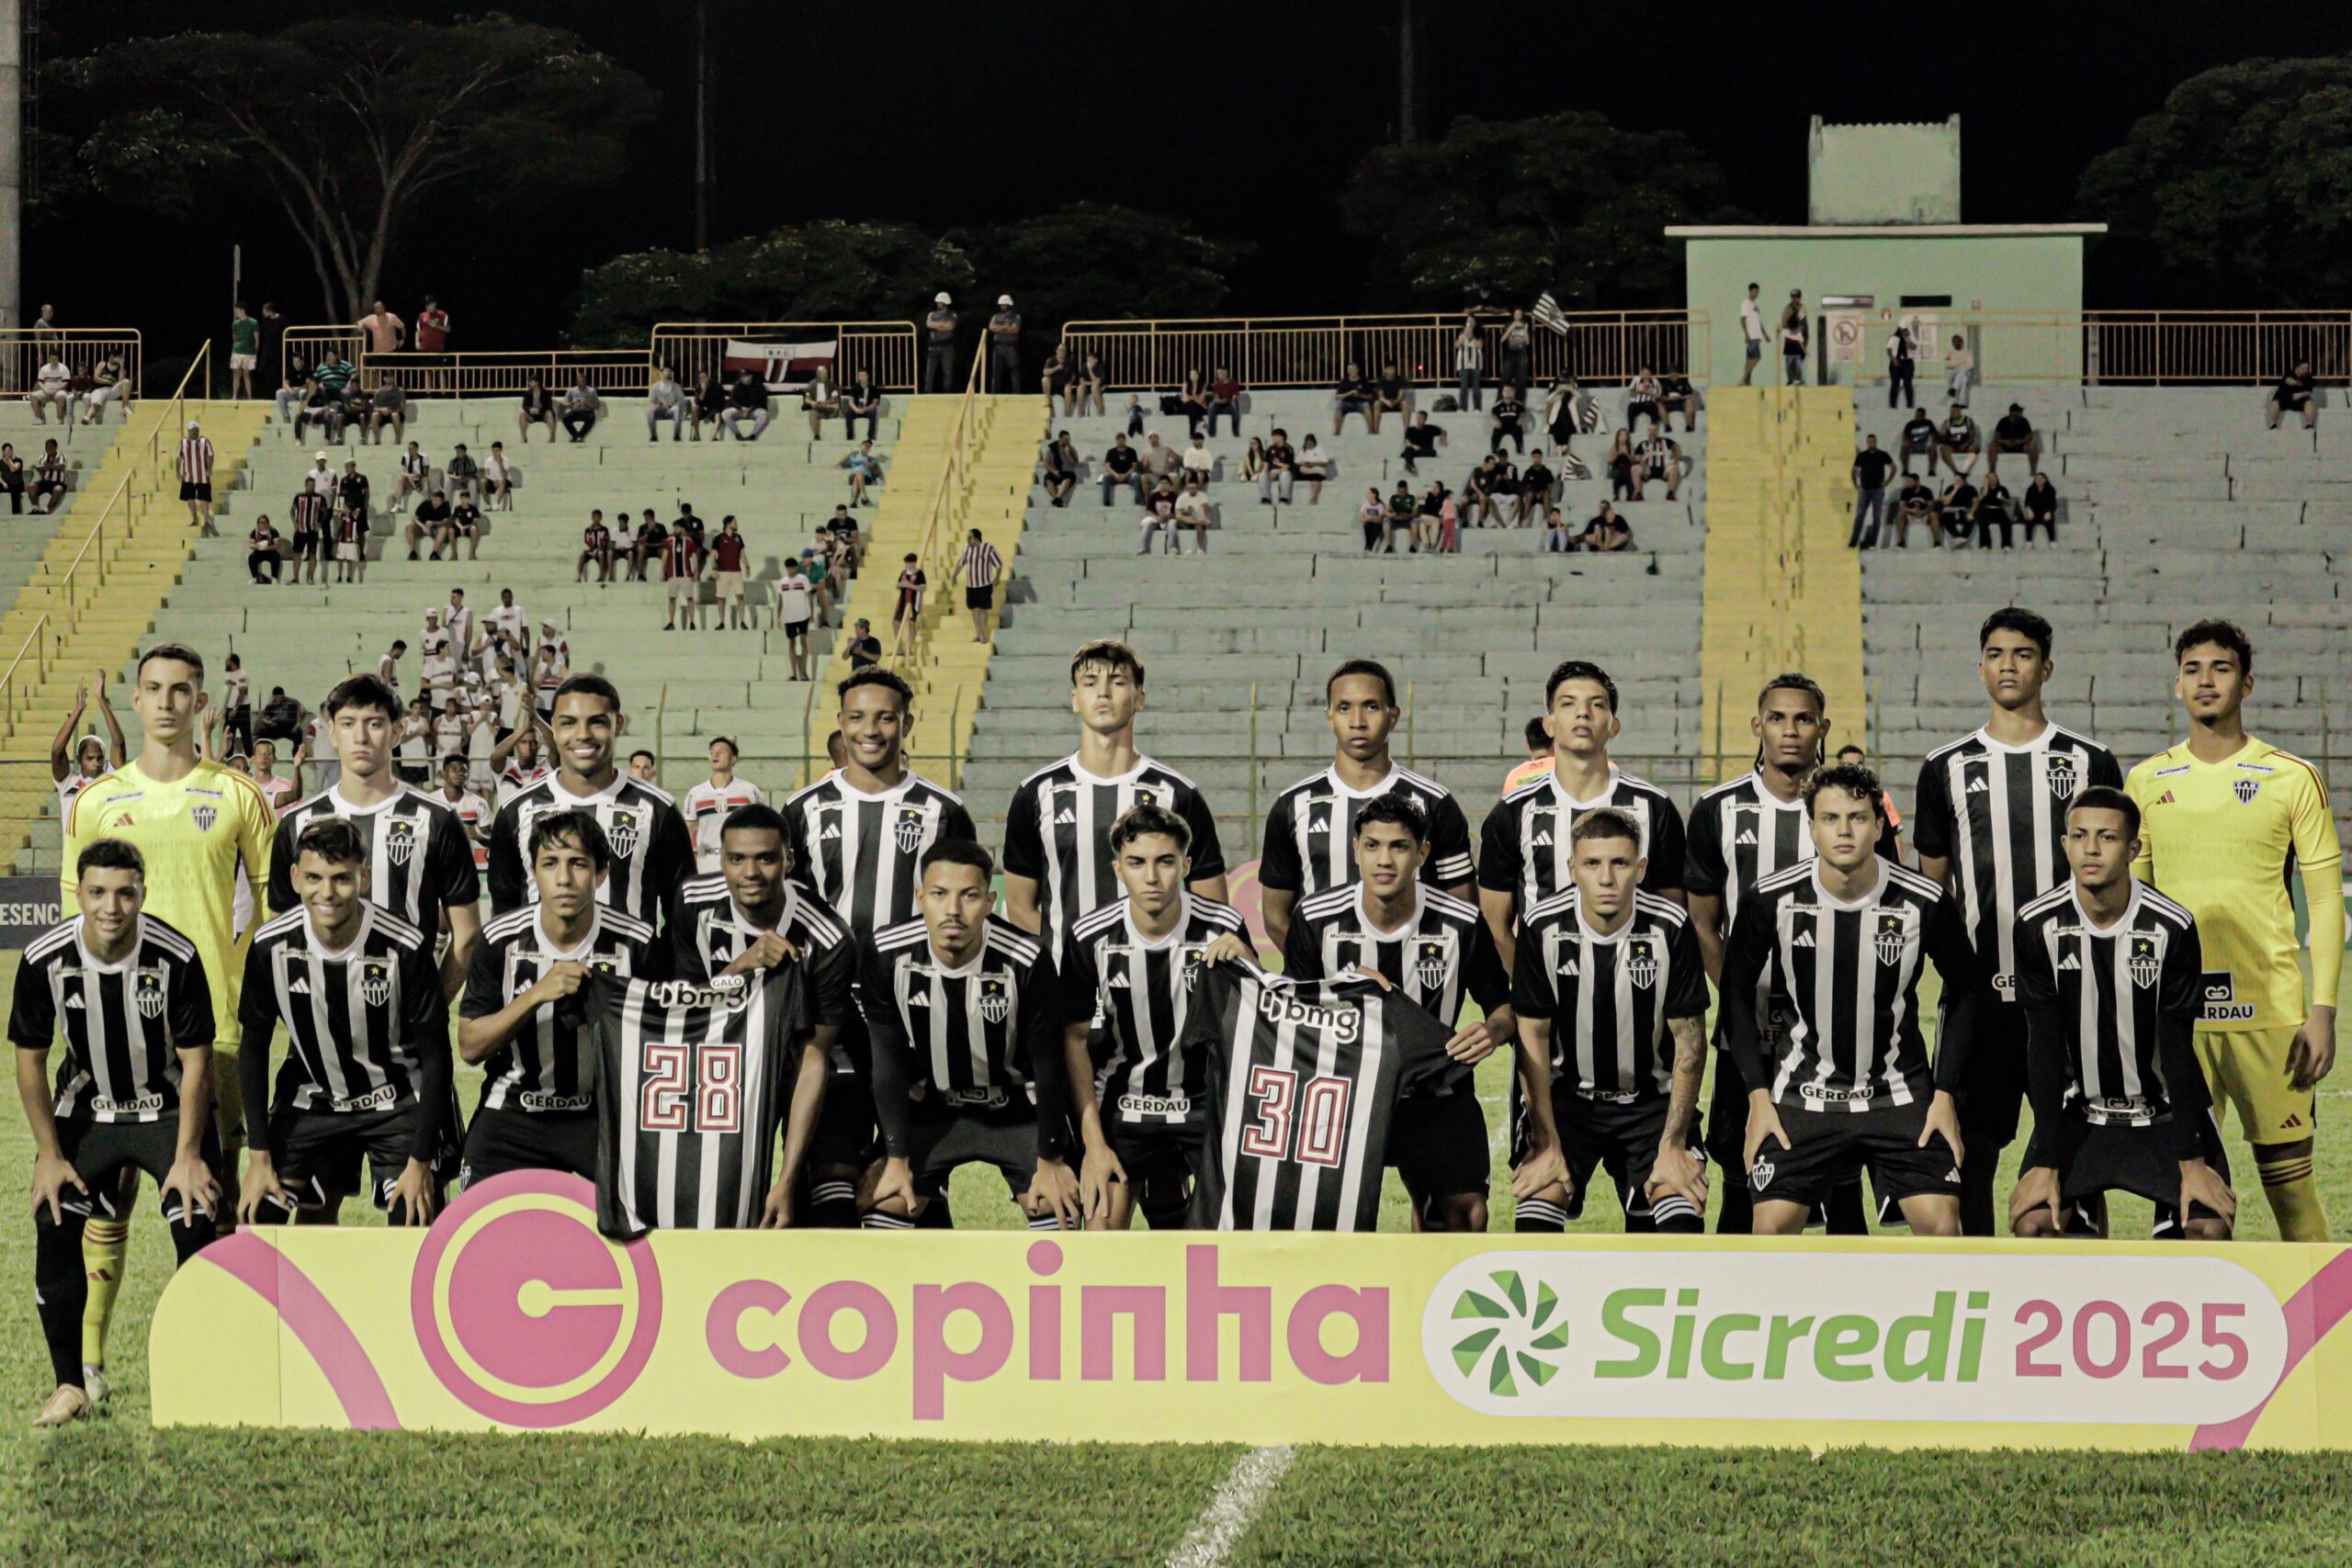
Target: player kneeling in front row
x=964, y=1015
x=2111, y=973
x=132, y=1001
x=750, y=920
x=1605, y=976
x=1845, y=936
x=1130, y=972
x=367, y=1072
x=519, y=1018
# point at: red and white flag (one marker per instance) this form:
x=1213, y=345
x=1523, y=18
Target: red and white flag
x=784, y=367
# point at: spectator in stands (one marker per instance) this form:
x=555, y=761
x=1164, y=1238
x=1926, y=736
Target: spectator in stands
x=1995, y=508
x=1421, y=440
x=244, y=350
x=261, y=550
x=1132, y=416
x=795, y=606
x=1519, y=350
x=1469, y=368
x=864, y=470
x=358, y=408
x=1390, y=394
x=386, y=405
x=582, y=408
x=1373, y=516
x=863, y=401
x=2040, y=505
x=1122, y=467
x=1606, y=532
x=1193, y=512
x=497, y=480
x=1314, y=466
x=1535, y=482
x=336, y=374
x=1253, y=460
x=351, y=543
x=821, y=400
x=1959, y=370
x=1092, y=376
x=431, y=521
x=412, y=477
x=865, y=648
x=1481, y=492
x=309, y=519
x=109, y=385
x=1194, y=402
x=1869, y=473
x=1157, y=521
x=1004, y=346
x=1449, y=523
x=1199, y=464
x=644, y=767
x=747, y=400
x=1796, y=332
x=281, y=718
x=628, y=552
x=465, y=523
x=1751, y=332
x=293, y=388
x=681, y=580
x=595, y=548
x=12, y=478
x=1431, y=507
x=939, y=347
x=711, y=401
x=1556, y=531
x=1642, y=398
x=1902, y=363
x=1352, y=395
x=2296, y=392
x=1956, y=509
x=385, y=331
x=538, y=408
x=52, y=389
x=49, y=479
x=1225, y=397
x=1160, y=461
x=1282, y=469
x=1657, y=456
x=432, y=327
x=2013, y=432
x=1563, y=414
x=1537, y=738
x=1510, y=413
x=818, y=562
x=1956, y=443
x=195, y=478
x=322, y=408
x=1058, y=378
x=1677, y=395
x=1404, y=509
x=1917, y=440
x=665, y=399
x=730, y=554
x=1060, y=470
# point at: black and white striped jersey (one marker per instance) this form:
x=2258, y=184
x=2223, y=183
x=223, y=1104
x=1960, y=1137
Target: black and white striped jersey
x=984, y=1035
x=419, y=860
x=541, y=1066
x=1301, y=1081
x=693, y=1082
x=124, y=1023
x=1850, y=970
x=1138, y=992
x=652, y=853
x=1998, y=814
x=1057, y=833
x=2111, y=1011
x=1443, y=955
x=1310, y=833
x=1609, y=996
x=858, y=852
x=1525, y=850
x=712, y=931
x=363, y=1026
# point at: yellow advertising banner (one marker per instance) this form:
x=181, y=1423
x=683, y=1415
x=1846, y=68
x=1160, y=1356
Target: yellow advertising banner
x=511, y=1312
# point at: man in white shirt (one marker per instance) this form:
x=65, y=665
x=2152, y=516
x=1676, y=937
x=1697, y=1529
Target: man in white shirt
x=415, y=468
x=51, y=385
x=470, y=810
x=388, y=668
x=550, y=668
x=497, y=478
x=1751, y=327
x=459, y=622
x=796, y=605
x=665, y=399
x=438, y=672
x=326, y=478
x=508, y=617
x=707, y=804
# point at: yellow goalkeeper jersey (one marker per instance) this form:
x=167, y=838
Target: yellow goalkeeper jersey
x=192, y=833
x=2224, y=838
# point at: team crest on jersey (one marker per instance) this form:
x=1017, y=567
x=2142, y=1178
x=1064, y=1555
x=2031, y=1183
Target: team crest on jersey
x=1429, y=963
x=1189, y=966
x=375, y=981
x=147, y=991
x=623, y=829
x=1890, y=940
x=995, y=1005
x=2058, y=773
x=2144, y=964
x=908, y=830
x=2245, y=790
x=204, y=816
x=1641, y=962
x=400, y=841
x=1153, y=794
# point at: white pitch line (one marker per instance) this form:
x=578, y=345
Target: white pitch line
x=1239, y=1497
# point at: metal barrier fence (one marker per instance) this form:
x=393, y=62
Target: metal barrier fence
x=24, y=350
x=2154, y=348
x=1314, y=351
x=884, y=350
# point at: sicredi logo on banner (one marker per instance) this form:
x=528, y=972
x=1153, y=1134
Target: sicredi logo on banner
x=1854, y=1338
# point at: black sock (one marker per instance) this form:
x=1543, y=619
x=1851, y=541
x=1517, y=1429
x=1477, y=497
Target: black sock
x=1738, y=1216
x=936, y=1216
x=832, y=1206
x=1977, y=1175
x=1539, y=1216
x=61, y=1290
x=1847, y=1213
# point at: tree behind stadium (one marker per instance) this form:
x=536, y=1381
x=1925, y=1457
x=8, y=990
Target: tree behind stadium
x=350, y=123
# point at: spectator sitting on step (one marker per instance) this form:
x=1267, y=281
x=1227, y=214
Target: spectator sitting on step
x=2013, y=432
x=864, y=470
x=1160, y=461
x=1373, y=517
x=1479, y=503
x=1510, y=417
x=582, y=408
x=1957, y=509
x=1916, y=503
x=1917, y=440
x=1996, y=508
x=628, y=556
x=1606, y=532
x=49, y=479
x=2040, y=506
x=52, y=389
x=665, y=399
x=108, y=386
x=1193, y=511
x=708, y=405
x=1352, y=395
x=1425, y=517
x=497, y=478
x=1956, y=443
x=281, y=718
x=1121, y=465
x=1959, y=370
x=336, y=374
x=263, y=550
x=1253, y=461
x=1677, y=393
x=863, y=401
x=1314, y=466
x=1556, y=531
x=293, y=386
x=1057, y=377
x=465, y=523
x=1092, y=376
x=431, y=521
x=463, y=475
x=12, y=478
x=537, y=407
x=821, y=400
x=322, y=408
x=1199, y=463
x=1421, y=440
x=1619, y=463
x=1404, y=511
x=1225, y=399
x=1390, y=394
x=840, y=538
x=1657, y=456
x=2297, y=392
x=1058, y=469
x=415, y=470
x=1281, y=469
x=1194, y=402
x=387, y=405
x=1535, y=482
x=1157, y=520
x=747, y=400
x=1642, y=399
x=359, y=408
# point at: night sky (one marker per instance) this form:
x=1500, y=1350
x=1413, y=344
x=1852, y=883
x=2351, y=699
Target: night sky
x=1243, y=119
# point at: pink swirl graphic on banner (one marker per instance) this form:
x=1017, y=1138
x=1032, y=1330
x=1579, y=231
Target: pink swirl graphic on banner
x=305, y=1309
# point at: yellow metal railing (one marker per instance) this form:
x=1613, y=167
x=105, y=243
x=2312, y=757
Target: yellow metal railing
x=1314, y=351
x=942, y=528
x=24, y=350
x=884, y=350
x=14, y=695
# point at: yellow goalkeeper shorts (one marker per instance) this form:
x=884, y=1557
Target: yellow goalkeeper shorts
x=2247, y=1068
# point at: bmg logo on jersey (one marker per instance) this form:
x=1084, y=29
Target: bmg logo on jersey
x=1278, y=1005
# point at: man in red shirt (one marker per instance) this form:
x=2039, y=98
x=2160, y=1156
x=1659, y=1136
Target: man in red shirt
x=682, y=571
x=433, y=337
x=727, y=553
x=595, y=548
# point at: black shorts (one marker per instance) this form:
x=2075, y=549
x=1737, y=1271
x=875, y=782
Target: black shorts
x=1621, y=1137
x=191, y=490
x=1993, y=1087
x=1826, y=1147
x=1166, y=1162
x=1438, y=1142
x=2140, y=1160
x=980, y=598
x=846, y=1137
x=797, y=630
x=322, y=1151
x=500, y=1141
x=100, y=1151
x=303, y=546
x=940, y=1138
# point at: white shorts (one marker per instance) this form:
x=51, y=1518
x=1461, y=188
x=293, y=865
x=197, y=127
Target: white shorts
x=731, y=585
x=684, y=588
x=245, y=361
x=347, y=552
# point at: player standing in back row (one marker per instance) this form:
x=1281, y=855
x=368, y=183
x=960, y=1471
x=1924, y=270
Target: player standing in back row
x=1058, y=830
x=2225, y=820
x=1310, y=834
x=1990, y=824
